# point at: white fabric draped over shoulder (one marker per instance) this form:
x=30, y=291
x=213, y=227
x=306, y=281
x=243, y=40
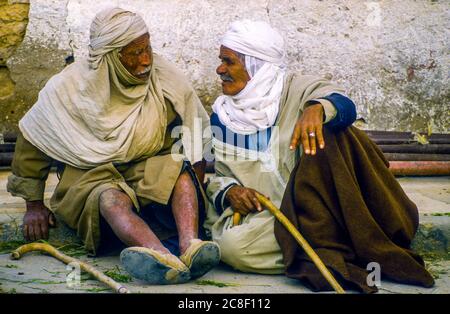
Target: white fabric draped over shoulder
x=256, y=107
x=94, y=111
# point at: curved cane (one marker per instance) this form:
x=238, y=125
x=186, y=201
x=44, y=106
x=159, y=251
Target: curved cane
x=298, y=237
x=47, y=248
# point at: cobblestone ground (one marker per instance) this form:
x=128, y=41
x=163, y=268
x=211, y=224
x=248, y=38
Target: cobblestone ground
x=36, y=273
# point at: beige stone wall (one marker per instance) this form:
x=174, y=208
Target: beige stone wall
x=391, y=56
x=13, y=23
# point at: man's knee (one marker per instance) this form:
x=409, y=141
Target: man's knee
x=184, y=178
x=249, y=251
x=113, y=200
x=233, y=249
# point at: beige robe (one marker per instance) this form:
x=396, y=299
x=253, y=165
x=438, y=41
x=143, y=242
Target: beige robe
x=75, y=199
x=251, y=246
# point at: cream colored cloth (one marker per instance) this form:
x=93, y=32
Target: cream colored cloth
x=256, y=38
x=255, y=108
x=87, y=118
x=113, y=28
x=95, y=112
x=251, y=246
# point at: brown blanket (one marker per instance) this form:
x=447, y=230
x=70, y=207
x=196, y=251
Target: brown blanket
x=352, y=211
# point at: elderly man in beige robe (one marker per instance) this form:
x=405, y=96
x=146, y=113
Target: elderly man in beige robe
x=257, y=125
x=110, y=123
x=342, y=197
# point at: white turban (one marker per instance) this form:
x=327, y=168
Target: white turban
x=257, y=39
x=255, y=108
x=113, y=28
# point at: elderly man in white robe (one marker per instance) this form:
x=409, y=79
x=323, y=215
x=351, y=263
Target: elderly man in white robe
x=107, y=122
x=258, y=124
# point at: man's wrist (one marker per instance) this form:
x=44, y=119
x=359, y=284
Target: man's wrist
x=226, y=201
x=323, y=112
x=315, y=103
x=35, y=204
x=329, y=110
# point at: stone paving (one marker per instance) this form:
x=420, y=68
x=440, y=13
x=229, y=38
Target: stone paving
x=36, y=273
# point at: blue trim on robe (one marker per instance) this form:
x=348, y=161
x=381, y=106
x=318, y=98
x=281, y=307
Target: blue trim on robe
x=345, y=116
x=258, y=141
x=346, y=112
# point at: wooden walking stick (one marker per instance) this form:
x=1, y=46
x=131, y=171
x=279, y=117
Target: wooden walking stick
x=47, y=248
x=299, y=238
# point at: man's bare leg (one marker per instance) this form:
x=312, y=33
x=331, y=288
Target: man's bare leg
x=117, y=209
x=185, y=210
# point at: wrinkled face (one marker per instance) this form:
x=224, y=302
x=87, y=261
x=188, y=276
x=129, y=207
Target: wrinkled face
x=137, y=57
x=232, y=72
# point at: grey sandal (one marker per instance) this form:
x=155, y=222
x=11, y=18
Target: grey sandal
x=154, y=267
x=201, y=257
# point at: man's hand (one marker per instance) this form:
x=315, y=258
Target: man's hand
x=309, y=130
x=243, y=200
x=37, y=220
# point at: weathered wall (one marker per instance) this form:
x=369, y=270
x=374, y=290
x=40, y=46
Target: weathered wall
x=41, y=54
x=391, y=56
x=13, y=22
